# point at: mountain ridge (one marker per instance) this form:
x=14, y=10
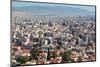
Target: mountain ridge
x=53, y=10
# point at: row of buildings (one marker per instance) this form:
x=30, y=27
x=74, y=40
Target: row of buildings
x=54, y=39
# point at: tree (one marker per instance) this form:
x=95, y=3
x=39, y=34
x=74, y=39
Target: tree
x=35, y=53
x=49, y=55
x=66, y=56
x=20, y=59
x=79, y=59
x=54, y=55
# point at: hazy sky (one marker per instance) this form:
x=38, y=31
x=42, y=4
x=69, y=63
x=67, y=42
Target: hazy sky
x=20, y=4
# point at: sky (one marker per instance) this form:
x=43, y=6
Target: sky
x=20, y=4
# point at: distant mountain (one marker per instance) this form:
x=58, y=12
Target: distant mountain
x=52, y=10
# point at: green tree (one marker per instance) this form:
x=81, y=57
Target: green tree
x=54, y=55
x=79, y=59
x=66, y=56
x=35, y=52
x=49, y=55
x=20, y=59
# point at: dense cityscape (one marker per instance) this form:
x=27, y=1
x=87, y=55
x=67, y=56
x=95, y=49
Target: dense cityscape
x=56, y=40
x=51, y=33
